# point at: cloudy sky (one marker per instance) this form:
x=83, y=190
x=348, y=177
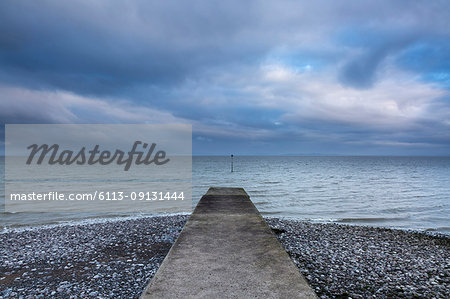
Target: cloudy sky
x=252, y=77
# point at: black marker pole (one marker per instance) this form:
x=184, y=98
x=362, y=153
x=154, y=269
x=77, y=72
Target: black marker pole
x=232, y=163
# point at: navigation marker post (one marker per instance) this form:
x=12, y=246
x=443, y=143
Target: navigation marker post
x=232, y=163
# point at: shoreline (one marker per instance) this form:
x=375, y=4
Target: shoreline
x=119, y=257
x=443, y=232
x=85, y=221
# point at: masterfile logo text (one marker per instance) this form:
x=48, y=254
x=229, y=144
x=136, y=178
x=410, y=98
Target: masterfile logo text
x=94, y=156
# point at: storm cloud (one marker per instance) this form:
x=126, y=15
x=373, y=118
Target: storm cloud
x=253, y=77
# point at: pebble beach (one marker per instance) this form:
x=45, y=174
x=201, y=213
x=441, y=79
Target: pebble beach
x=117, y=259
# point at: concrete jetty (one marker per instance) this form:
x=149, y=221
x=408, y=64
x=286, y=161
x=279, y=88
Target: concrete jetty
x=226, y=249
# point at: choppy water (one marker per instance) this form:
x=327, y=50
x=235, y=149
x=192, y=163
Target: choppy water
x=401, y=192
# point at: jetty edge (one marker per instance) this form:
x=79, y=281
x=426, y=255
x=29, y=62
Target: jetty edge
x=227, y=250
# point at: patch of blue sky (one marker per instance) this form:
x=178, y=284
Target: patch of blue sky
x=303, y=61
x=430, y=59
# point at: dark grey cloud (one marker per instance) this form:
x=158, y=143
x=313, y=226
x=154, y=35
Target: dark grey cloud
x=360, y=72
x=99, y=50
x=371, y=49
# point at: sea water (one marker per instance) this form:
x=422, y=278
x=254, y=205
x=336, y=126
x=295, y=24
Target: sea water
x=399, y=192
